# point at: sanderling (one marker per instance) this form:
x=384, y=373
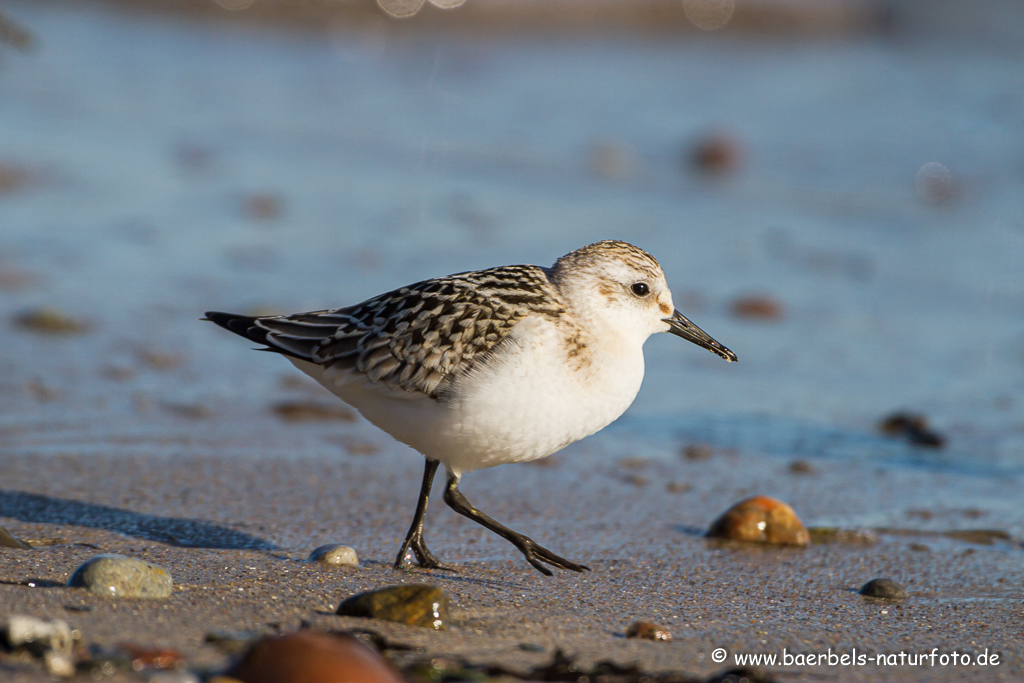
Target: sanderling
x=477, y=369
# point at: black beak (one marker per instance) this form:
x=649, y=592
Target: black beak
x=681, y=327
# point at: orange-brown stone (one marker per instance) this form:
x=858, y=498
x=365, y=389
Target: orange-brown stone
x=648, y=631
x=761, y=520
x=313, y=657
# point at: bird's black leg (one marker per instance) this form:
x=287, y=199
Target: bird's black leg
x=414, y=539
x=535, y=553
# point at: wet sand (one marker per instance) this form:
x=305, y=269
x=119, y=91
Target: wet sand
x=235, y=531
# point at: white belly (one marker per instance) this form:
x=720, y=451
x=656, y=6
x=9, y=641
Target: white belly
x=527, y=404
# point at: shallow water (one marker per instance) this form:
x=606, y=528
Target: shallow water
x=378, y=159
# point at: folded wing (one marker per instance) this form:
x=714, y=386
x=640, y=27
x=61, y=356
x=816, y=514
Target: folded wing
x=416, y=338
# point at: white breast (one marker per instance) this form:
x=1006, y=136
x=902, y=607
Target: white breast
x=530, y=401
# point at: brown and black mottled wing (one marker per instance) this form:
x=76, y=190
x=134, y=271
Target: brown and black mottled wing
x=413, y=338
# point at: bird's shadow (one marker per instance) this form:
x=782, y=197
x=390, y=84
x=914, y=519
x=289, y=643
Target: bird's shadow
x=186, y=533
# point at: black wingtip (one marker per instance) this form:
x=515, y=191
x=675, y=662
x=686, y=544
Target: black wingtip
x=239, y=324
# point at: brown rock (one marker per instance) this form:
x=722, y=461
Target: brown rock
x=262, y=206
x=335, y=555
x=698, y=451
x=717, y=154
x=800, y=467
x=49, y=321
x=12, y=277
x=648, y=631
x=757, y=307
x=883, y=588
x=312, y=657
x=415, y=605
x=912, y=427
x=13, y=177
x=14, y=34
x=152, y=658
x=761, y=520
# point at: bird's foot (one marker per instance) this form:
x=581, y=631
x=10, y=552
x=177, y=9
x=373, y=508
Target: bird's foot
x=424, y=557
x=537, y=554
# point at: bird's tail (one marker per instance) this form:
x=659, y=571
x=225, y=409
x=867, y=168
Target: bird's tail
x=242, y=325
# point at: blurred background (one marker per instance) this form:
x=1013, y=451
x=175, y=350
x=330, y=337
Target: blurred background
x=835, y=189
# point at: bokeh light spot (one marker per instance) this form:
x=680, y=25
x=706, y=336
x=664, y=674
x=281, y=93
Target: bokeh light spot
x=709, y=15
x=401, y=8
x=935, y=184
x=235, y=5
x=447, y=4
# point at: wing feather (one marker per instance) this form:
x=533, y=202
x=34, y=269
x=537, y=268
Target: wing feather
x=417, y=338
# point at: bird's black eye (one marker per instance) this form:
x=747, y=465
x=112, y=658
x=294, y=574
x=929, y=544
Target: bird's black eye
x=641, y=289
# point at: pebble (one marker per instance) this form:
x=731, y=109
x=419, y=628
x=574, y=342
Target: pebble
x=309, y=411
x=38, y=636
x=45, y=320
x=7, y=540
x=122, y=577
x=13, y=177
x=698, y=451
x=195, y=156
x=648, y=631
x=757, y=307
x=912, y=427
x=12, y=277
x=152, y=658
x=936, y=184
x=883, y=588
x=51, y=641
x=262, y=206
x=716, y=154
x=416, y=605
x=312, y=657
x=761, y=520
x=15, y=35
x=40, y=391
x=58, y=664
x=335, y=555
x=800, y=467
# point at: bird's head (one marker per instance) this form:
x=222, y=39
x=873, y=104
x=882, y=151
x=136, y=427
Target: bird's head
x=621, y=287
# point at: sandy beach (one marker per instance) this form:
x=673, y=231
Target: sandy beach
x=234, y=533
x=858, y=243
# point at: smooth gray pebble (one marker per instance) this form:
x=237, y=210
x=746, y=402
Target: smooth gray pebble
x=883, y=588
x=335, y=555
x=122, y=577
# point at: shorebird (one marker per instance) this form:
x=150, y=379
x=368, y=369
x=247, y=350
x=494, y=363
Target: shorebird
x=478, y=369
